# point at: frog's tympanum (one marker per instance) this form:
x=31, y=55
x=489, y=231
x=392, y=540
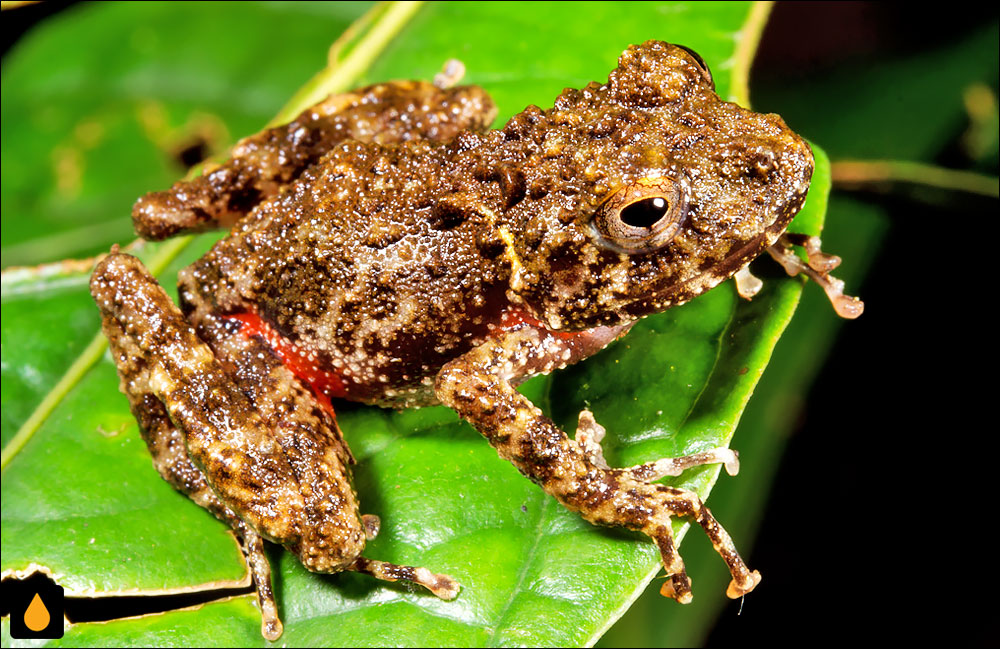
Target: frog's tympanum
x=387, y=248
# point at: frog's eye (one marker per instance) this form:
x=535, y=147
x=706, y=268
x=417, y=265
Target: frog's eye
x=643, y=216
x=701, y=64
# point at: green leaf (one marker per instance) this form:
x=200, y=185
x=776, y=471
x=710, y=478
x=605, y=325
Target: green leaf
x=103, y=93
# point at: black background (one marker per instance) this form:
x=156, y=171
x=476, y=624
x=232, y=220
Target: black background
x=911, y=556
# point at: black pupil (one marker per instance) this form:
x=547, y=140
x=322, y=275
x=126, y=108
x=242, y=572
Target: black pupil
x=645, y=213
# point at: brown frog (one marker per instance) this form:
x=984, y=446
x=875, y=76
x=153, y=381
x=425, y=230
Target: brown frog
x=386, y=248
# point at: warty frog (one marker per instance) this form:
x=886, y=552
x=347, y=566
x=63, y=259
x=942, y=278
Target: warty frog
x=387, y=248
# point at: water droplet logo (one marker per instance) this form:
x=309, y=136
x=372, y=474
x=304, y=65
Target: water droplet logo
x=36, y=616
x=36, y=605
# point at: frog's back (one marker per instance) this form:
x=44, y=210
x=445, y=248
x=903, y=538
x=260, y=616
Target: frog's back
x=368, y=263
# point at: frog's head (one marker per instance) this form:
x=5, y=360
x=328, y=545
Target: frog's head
x=644, y=192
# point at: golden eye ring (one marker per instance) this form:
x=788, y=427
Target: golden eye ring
x=642, y=216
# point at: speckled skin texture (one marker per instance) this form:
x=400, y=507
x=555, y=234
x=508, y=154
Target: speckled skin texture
x=386, y=248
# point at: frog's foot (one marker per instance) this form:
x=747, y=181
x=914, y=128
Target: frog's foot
x=441, y=585
x=589, y=434
x=817, y=268
x=668, y=502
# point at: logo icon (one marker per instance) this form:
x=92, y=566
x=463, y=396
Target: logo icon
x=36, y=607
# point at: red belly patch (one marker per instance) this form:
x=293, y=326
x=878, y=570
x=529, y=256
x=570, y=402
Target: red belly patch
x=324, y=383
x=514, y=317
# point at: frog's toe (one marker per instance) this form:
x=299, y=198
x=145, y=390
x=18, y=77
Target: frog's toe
x=451, y=73
x=589, y=435
x=818, y=270
x=440, y=585
x=372, y=525
x=271, y=629
x=737, y=590
x=260, y=568
x=674, y=466
x=747, y=284
x=677, y=588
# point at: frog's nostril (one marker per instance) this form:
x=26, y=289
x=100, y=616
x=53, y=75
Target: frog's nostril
x=762, y=163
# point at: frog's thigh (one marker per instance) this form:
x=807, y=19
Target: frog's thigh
x=265, y=162
x=226, y=437
x=166, y=445
x=477, y=386
x=309, y=438
x=165, y=442
x=306, y=431
x=314, y=446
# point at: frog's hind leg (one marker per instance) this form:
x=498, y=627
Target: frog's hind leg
x=236, y=431
x=206, y=437
x=262, y=164
x=166, y=445
x=478, y=385
x=222, y=431
x=298, y=422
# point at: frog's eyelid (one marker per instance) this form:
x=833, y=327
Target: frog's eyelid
x=701, y=64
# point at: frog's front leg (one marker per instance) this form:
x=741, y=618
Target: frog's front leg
x=249, y=446
x=479, y=387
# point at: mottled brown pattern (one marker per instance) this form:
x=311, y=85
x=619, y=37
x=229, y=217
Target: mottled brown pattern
x=263, y=163
x=411, y=257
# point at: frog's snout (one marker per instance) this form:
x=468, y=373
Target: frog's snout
x=797, y=164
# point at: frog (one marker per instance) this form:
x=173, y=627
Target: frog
x=388, y=247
